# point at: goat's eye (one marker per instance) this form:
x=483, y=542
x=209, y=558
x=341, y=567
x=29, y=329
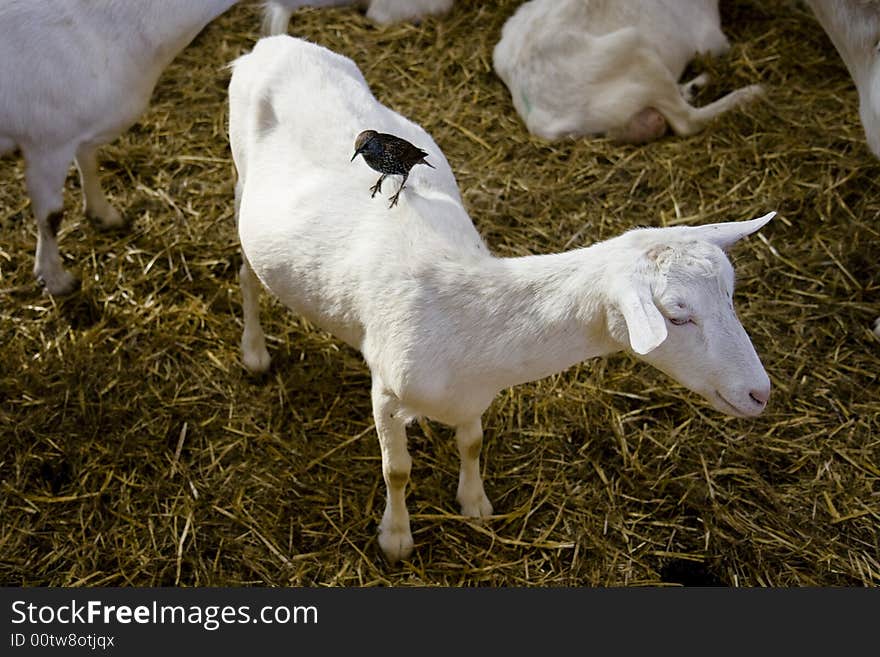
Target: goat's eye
x=680, y=321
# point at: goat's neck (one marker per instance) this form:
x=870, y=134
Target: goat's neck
x=537, y=315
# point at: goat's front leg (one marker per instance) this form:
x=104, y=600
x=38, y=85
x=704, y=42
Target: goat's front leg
x=94, y=202
x=471, y=495
x=395, y=537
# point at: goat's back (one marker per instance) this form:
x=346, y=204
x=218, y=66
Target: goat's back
x=676, y=30
x=85, y=70
x=307, y=222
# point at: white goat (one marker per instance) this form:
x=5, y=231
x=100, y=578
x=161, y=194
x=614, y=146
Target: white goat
x=75, y=75
x=443, y=324
x=854, y=28
x=277, y=13
x=591, y=67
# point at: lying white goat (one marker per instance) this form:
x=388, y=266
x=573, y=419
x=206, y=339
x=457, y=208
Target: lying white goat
x=277, y=13
x=74, y=75
x=854, y=28
x=591, y=67
x=442, y=323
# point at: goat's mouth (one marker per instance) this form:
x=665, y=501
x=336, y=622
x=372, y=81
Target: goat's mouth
x=733, y=409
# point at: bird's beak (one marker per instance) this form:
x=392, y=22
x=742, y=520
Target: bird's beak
x=354, y=156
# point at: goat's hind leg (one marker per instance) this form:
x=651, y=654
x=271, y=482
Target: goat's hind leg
x=395, y=537
x=95, y=204
x=657, y=93
x=687, y=120
x=690, y=88
x=45, y=174
x=471, y=494
x=254, y=354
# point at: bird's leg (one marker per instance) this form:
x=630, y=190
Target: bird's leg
x=400, y=189
x=378, y=186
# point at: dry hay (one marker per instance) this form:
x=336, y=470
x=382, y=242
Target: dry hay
x=136, y=451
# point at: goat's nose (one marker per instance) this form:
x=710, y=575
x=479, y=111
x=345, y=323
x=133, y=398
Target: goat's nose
x=760, y=396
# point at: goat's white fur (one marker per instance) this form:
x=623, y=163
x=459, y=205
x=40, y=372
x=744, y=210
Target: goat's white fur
x=591, y=67
x=442, y=323
x=75, y=75
x=277, y=13
x=854, y=28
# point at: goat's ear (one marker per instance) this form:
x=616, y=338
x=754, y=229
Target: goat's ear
x=644, y=323
x=727, y=234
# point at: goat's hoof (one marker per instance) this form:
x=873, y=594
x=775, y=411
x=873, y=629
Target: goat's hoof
x=752, y=92
x=480, y=508
x=108, y=219
x=60, y=285
x=396, y=544
x=690, y=89
x=701, y=80
x=256, y=361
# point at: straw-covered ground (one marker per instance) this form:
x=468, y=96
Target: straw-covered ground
x=136, y=451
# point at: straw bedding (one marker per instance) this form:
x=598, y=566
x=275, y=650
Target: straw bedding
x=135, y=450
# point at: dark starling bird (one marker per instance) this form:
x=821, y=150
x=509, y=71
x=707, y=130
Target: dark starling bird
x=390, y=156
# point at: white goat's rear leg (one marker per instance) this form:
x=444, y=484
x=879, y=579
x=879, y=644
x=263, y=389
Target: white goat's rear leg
x=471, y=494
x=395, y=537
x=95, y=203
x=45, y=174
x=690, y=89
x=277, y=14
x=254, y=354
x=877, y=327
x=687, y=120
x=276, y=18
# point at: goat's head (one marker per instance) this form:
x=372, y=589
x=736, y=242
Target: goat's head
x=674, y=310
